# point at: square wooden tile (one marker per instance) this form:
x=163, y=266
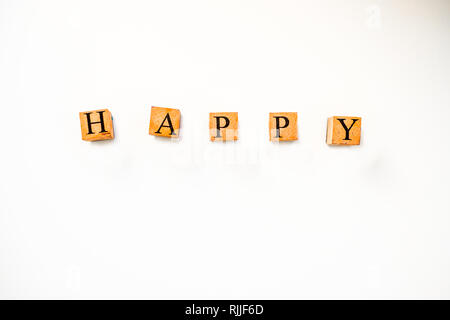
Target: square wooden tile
x=96, y=125
x=344, y=130
x=283, y=126
x=223, y=126
x=165, y=122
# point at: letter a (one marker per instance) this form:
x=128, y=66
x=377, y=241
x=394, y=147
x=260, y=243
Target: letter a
x=165, y=122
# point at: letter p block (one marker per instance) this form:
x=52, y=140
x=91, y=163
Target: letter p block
x=344, y=131
x=96, y=125
x=283, y=126
x=223, y=126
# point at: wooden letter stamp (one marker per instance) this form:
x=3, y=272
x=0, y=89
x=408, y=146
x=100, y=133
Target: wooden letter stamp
x=96, y=125
x=344, y=131
x=165, y=122
x=283, y=126
x=223, y=126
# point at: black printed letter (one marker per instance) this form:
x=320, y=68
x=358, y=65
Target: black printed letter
x=218, y=127
x=347, y=130
x=277, y=120
x=169, y=126
x=90, y=123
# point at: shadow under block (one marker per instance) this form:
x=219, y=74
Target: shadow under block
x=283, y=126
x=96, y=125
x=223, y=126
x=344, y=131
x=165, y=122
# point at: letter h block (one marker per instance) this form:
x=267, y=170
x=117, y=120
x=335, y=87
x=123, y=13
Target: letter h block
x=344, y=131
x=96, y=125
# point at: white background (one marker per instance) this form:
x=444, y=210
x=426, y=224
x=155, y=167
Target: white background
x=147, y=217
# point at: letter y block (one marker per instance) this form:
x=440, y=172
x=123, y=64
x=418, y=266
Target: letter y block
x=344, y=131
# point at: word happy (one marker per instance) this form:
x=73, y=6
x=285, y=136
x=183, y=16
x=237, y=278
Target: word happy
x=223, y=126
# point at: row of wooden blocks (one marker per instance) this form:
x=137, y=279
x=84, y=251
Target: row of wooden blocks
x=165, y=122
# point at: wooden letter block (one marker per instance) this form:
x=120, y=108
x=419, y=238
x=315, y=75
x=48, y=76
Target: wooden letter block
x=344, y=131
x=165, y=122
x=283, y=126
x=96, y=125
x=223, y=126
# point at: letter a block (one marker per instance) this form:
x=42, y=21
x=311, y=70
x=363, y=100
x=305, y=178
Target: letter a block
x=283, y=126
x=344, y=131
x=96, y=125
x=165, y=122
x=223, y=126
